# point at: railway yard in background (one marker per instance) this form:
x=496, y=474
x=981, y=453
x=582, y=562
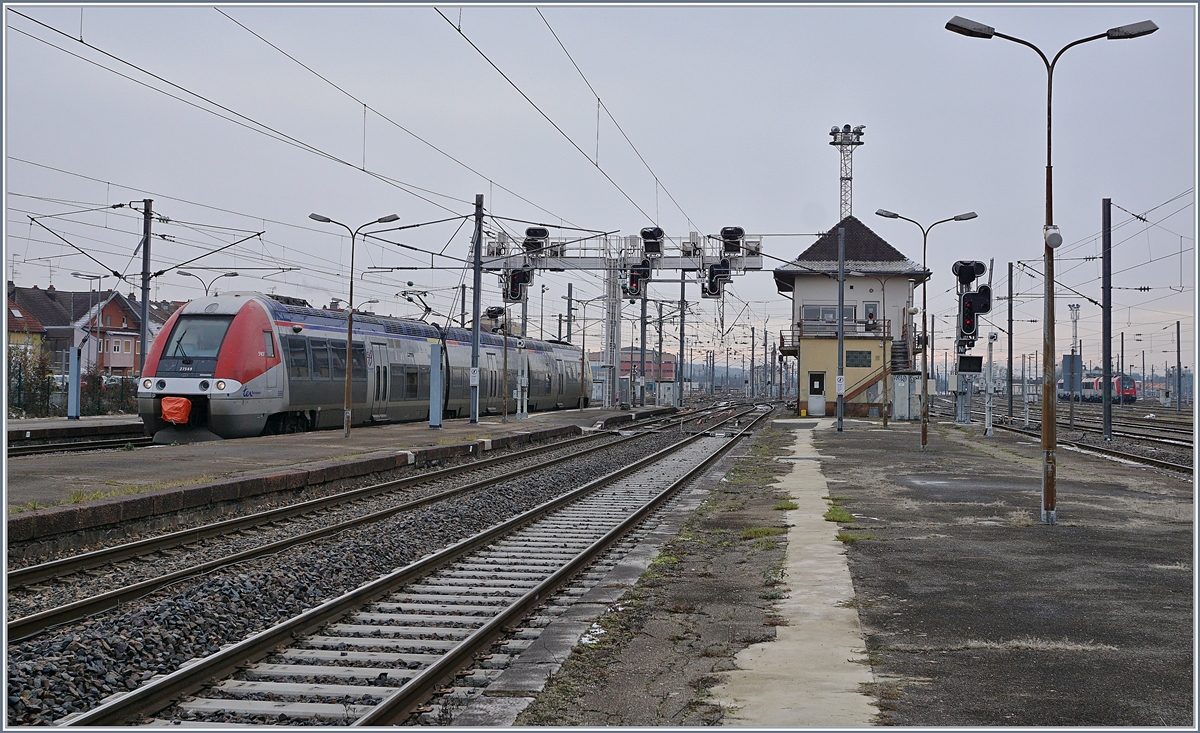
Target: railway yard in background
x=555, y=570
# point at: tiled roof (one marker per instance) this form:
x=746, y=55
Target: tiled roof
x=865, y=251
x=18, y=321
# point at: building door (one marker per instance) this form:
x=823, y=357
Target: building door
x=816, y=394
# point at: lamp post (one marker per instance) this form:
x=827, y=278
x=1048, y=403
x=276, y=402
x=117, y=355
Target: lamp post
x=350, y=308
x=924, y=305
x=99, y=280
x=1052, y=239
x=210, y=282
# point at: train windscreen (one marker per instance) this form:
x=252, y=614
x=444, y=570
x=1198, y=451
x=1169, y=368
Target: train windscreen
x=193, y=345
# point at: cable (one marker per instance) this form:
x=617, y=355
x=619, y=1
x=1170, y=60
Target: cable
x=254, y=124
x=544, y=115
x=383, y=116
x=614, y=121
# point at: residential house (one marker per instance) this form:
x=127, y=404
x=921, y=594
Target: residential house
x=104, y=325
x=878, y=333
x=24, y=330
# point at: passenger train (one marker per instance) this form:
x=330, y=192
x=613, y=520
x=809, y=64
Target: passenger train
x=244, y=364
x=1124, y=390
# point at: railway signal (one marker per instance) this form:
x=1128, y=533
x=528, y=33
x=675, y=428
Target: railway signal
x=515, y=284
x=652, y=241
x=638, y=275
x=718, y=275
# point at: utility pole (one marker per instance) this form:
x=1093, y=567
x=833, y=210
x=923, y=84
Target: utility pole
x=1070, y=383
x=1178, y=372
x=477, y=255
x=753, y=353
x=682, y=313
x=1106, y=314
x=841, y=329
x=570, y=310
x=462, y=321
x=642, y=363
x=659, y=353
x=1010, y=341
x=144, y=338
x=1121, y=374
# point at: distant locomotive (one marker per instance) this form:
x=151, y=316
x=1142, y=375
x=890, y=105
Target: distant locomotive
x=1124, y=390
x=244, y=364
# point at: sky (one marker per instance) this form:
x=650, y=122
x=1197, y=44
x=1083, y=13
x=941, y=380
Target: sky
x=237, y=119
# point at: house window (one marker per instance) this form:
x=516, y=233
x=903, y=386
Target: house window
x=108, y=320
x=128, y=346
x=116, y=346
x=812, y=312
x=16, y=313
x=871, y=311
x=124, y=322
x=858, y=359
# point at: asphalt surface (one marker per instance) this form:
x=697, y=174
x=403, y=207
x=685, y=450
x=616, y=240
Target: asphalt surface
x=975, y=613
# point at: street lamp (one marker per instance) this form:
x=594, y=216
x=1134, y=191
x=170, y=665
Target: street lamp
x=1052, y=240
x=99, y=287
x=350, y=308
x=924, y=317
x=210, y=282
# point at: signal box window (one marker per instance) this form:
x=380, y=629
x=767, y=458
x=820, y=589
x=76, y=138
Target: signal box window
x=858, y=359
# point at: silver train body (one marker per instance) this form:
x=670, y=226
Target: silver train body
x=250, y=364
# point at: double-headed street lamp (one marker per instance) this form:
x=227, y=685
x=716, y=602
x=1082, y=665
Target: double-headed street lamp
x=210, y=282
x=350, y=308
x=924, y=317
x=1052, y=239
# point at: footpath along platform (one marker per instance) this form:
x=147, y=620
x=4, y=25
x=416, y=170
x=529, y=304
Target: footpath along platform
x=59, y=428
x=970, y=611
x=145, y=482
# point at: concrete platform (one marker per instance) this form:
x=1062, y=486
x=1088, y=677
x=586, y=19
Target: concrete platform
x=163, y=479
x=92, y=426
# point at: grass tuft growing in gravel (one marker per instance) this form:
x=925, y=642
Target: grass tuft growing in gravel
x=754, y=533
x=785, y=506
x=852, y=537
x=838, y=514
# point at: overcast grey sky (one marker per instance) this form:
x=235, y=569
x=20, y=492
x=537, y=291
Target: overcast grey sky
x=729, y=106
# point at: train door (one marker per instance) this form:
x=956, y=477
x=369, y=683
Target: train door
x=489, y=385
x=272, y=375
x=558, y=399
x=378, y=381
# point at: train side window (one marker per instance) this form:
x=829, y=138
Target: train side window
x=385, y=383
x=320, y=358
x=358, y=354
x=410, y=383
x=268, y=345
x=297, y=357
x=337, y=357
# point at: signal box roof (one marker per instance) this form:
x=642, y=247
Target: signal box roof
x=865, y=252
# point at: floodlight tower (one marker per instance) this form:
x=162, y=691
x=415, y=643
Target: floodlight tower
x=847, y=139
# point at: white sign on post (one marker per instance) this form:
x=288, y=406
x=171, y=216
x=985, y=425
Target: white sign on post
x=841, y=385
x=474, y=376
x=520, y=343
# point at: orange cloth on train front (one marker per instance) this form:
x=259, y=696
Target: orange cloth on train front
x=176, y=410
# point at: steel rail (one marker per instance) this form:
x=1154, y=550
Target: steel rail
x=33, y=450
x=159, y=692
x=28, y=625
x=395, y=708
x=1089, y=448
x=105, y=556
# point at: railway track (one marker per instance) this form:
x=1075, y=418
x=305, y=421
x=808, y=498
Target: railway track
x=39, y=600
x=372, y=655
x=948, y=411
x=83, y=445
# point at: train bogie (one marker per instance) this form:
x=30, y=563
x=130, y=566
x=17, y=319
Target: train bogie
x=248, y=364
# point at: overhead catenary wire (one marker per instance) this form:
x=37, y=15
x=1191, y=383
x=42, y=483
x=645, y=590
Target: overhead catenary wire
x=249, y=123
x=544, y=115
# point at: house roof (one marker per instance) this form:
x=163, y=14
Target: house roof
x=18, y=321
x=865, y=251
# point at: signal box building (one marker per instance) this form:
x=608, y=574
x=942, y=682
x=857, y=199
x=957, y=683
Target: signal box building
x=879, y=335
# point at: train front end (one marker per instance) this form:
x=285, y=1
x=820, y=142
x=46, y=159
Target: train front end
x=214, y=371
